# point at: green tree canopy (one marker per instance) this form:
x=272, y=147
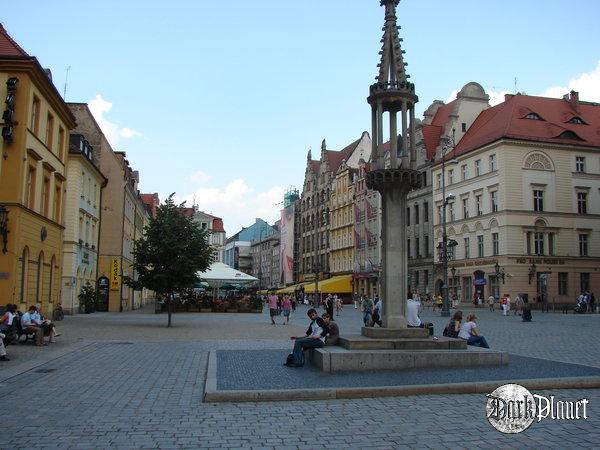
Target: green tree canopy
x=170, y=254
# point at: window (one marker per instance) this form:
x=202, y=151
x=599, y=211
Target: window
x=426, y=212
x=480, y=246
x=45, y=195
x=538, y=200
x=39, y=279
x=528, y=242
x=61, y=142
x=408, y=248
x=467, y=244
x=426, y=277
x=464, y=171
x=439, y=180
x=416, y=278
x=35, y=115
x=538, y=243
x=492, y=163
x=563, y=283
x=576, y=120
x=465, y=207
x=551, y=244
x=31, y=175
x=463, y=127
x=569, y=135
x=24, y=274
x=580, y=164
x=440, y=214
x=49, y=130
x=416, y=214
x=494, y=201
x=478, y=204
x=417, y=248
x=451, y=176
x=408, y=217
x=451, y=211
x=582, y=202
x=583, y=245
x=51, y=279
x=424, y=179
x=426, y=243
x=533, y=116
x=477, y=167
x=584, y=282
x=495, y=244
x=57, y=201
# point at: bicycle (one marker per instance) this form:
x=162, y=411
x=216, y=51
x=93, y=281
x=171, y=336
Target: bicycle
x=58, y=313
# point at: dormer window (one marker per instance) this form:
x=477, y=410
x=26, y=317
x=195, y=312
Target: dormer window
x=568, y=134
x=533, y=116
x=577, y=120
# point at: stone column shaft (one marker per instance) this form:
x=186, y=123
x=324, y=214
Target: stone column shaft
x=374, y=146
x=393, y=140
x=394, y=256
x=413, y=155
x=379, y=129
x=405, y=149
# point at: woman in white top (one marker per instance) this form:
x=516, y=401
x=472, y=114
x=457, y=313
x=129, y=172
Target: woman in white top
x=470, y=333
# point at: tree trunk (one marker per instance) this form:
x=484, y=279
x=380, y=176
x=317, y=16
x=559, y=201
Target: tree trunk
x=170, y=308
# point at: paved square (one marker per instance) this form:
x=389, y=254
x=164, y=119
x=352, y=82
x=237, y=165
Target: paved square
x=126, y=381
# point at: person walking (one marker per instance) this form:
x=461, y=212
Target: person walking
x=272, y=299
x=491, y=301
x=286, y=306
x=507, y=304
x=366, y=306
x=339, y=304
x=329, y=305
x=376, y=315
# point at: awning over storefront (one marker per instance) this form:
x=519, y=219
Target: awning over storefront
x=341, y=284
x=290, y=289
x=263, y=292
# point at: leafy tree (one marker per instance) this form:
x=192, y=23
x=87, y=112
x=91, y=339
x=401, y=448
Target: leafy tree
x=87, y=298
x=171, y=252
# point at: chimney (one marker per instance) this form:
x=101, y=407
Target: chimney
x=574, y=99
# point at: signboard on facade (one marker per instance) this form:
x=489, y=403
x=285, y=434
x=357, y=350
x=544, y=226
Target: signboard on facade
x=115, y=274
x=286, y=248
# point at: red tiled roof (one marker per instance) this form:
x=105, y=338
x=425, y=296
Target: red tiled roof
x=315, y=166
x=8, y=46
x=506, y=120
x=218, y=225
x=187, y=212
x=442, y=114
x=431, y=136
x=335, y=158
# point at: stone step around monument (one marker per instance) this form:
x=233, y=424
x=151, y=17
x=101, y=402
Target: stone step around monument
x=394, y=333
x=337, y=359
x=357, y=342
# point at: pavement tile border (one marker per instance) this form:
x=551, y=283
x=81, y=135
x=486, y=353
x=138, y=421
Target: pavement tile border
x=213, y=395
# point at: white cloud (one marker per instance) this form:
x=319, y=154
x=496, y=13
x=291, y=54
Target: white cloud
x=587, y=84
x=237, y=203
x=201, y=177
x=113, y=132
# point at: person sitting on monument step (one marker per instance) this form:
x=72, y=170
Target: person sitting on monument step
x=333, y=331
x=315, y=338
x=413, y=308
x=470, y=333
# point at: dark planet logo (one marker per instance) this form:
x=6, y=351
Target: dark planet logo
x=511, y=408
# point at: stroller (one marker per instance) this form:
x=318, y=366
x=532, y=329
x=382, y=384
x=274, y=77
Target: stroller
x=580, y=307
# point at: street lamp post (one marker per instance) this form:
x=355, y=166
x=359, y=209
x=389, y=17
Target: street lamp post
x=316, y=269
x=500, y=275
x=260, y=245
x=446, y=305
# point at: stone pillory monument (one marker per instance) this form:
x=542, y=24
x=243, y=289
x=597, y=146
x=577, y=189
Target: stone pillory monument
x=394, y=175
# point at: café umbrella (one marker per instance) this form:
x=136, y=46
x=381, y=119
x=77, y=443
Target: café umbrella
x=219, y=274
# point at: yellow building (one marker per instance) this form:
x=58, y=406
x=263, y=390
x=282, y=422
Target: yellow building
x=341, y=232
x=32, y=179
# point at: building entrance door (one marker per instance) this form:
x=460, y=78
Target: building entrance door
x=102, y=294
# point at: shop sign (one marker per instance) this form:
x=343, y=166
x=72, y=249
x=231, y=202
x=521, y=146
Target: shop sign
x=115, y=274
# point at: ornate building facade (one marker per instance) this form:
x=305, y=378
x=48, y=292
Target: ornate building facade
x=526, y=201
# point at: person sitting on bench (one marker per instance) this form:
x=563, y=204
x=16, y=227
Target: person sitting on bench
x=46, y=325
x=30, y=327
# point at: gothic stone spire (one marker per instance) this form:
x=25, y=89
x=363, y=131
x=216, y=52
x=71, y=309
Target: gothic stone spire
x=392, y=66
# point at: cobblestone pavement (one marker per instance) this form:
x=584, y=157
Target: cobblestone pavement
x=126, y=381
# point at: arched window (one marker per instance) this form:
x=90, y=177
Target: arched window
x=24, y=274
x=40, y=278
x=51, y=282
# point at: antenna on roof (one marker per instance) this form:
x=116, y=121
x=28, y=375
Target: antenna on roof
x=65, y=88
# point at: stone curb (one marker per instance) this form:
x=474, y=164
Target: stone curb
x=211, y=394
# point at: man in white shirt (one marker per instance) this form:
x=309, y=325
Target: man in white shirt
x=314, y=338
x=413, y=308
x=29, y=326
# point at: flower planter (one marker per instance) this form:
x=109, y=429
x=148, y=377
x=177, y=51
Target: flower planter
x=205, y=310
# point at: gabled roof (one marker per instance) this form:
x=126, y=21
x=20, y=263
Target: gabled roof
x=507, y=120
x=335, y=158
x=314, y=166
x=8, y=46
x=431, y=136
x=218, y=225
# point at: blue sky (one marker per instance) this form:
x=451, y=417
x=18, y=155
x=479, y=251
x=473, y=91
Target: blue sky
x=219, y=101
